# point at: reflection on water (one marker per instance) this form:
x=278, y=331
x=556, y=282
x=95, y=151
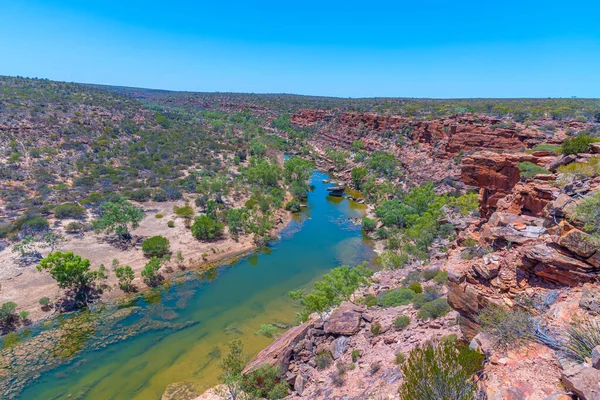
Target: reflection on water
x=178, y=332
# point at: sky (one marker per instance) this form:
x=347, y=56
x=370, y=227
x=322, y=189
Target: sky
x=336, y=48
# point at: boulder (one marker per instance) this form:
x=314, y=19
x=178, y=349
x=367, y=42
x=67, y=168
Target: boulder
x=300, y=384
x=343, y=321
x=580, y=243
x=339, y=346
x=560, y=161
x=582, y=381
x=595, y=148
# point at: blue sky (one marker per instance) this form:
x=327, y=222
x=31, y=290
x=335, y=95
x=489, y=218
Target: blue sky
x=347, y=49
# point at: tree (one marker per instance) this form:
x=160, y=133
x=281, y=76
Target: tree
x=358, y=174
x=118, y=217
x=71, y=272
x=232, y=366
x=384, y=163
x=296, y=169
x=205, y=228
x=335, y=286
x=211, y=209
x=588, y=211
x=125, y=275
x=442, y=371
x=150, y=272
x=54, y=241
x=236, y=219
x=8, y=316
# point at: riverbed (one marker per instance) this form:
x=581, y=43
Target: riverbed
x=178, y=333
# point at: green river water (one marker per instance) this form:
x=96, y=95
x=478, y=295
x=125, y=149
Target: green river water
x=178, y=333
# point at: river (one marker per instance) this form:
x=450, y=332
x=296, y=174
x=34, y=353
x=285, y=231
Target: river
x=178, y=333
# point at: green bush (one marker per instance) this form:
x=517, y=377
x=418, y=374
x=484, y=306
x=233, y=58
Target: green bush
x=159, y=195
x=401, y=322
x=579, y=144
x=588, y=211
x=35, y=223
x=125, y=275
x=440, y=371
x=376, y=328
x=150, y=273
x=186, y=211
x=434, y=309
x=547, y=147
x=75, y=227
x=44, y=301
x=171, y=224
x=397, y=297
x=293, y=206
x=580, y=339
x=370, y=300
x=400, y=358
x=416, y=287
x=429, y=274
x=529, y=170
x=369, y=224
x=156, y=246
x=141, y=195
x=355, y=355
x=69, y=210
x=441, y=277
x=158, y=216
x=264, y=383
x=205, y=228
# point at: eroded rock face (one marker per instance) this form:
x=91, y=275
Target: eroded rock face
x=553, y=265
x=579, y=243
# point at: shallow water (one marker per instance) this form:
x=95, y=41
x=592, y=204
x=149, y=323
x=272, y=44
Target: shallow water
x=178, y=333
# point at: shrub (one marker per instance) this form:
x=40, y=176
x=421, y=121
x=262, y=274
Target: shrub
x=529, y=170
x=401, y=322
x=416, y=287
x=430, y=294
x=264, y=383
x=118, y=217
x=205, y=228
x=69, y=270
x=507, y=328
x=323, y=360
x=267, y=330
x=581, y=337
x=441, y=277
x=429, y=274
x=440, y=371
x=186, y=211
x=376, y=328
x=369, y=224
x=400, y=358
x=156, y=246
x=434, y=309
x=578, y=144
x=8, y=317
x=158, y=216
x=75, y=227
x=397, y=297
x=125, y=275
x=355, y=355
x=547, y=147
x=171, y=224
x=44, y=301
x=34, y=224
x=69, y=210
x=159, y=195
x=370, y=300
x=293, y=206
x=588, y=211
x=141, y=195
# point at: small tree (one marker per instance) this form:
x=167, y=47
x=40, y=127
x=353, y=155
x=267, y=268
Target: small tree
x=8, y=316
x=70, y=272
x=442, y=371
x=125, y=275
x=232, y=366
x=150, y=272
x=358, y=174
x=117, y=217
x=27, y=250
x=54, y=241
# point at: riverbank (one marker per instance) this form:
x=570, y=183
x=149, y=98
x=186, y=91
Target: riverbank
x=25, y=285
x=177, y=332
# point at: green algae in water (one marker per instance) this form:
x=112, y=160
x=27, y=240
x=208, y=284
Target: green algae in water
x=76, y=330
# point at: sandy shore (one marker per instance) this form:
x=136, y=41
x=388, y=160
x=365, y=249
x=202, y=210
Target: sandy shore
x=26, y=285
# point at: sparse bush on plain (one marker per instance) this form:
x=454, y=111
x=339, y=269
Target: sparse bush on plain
x=507, y=328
